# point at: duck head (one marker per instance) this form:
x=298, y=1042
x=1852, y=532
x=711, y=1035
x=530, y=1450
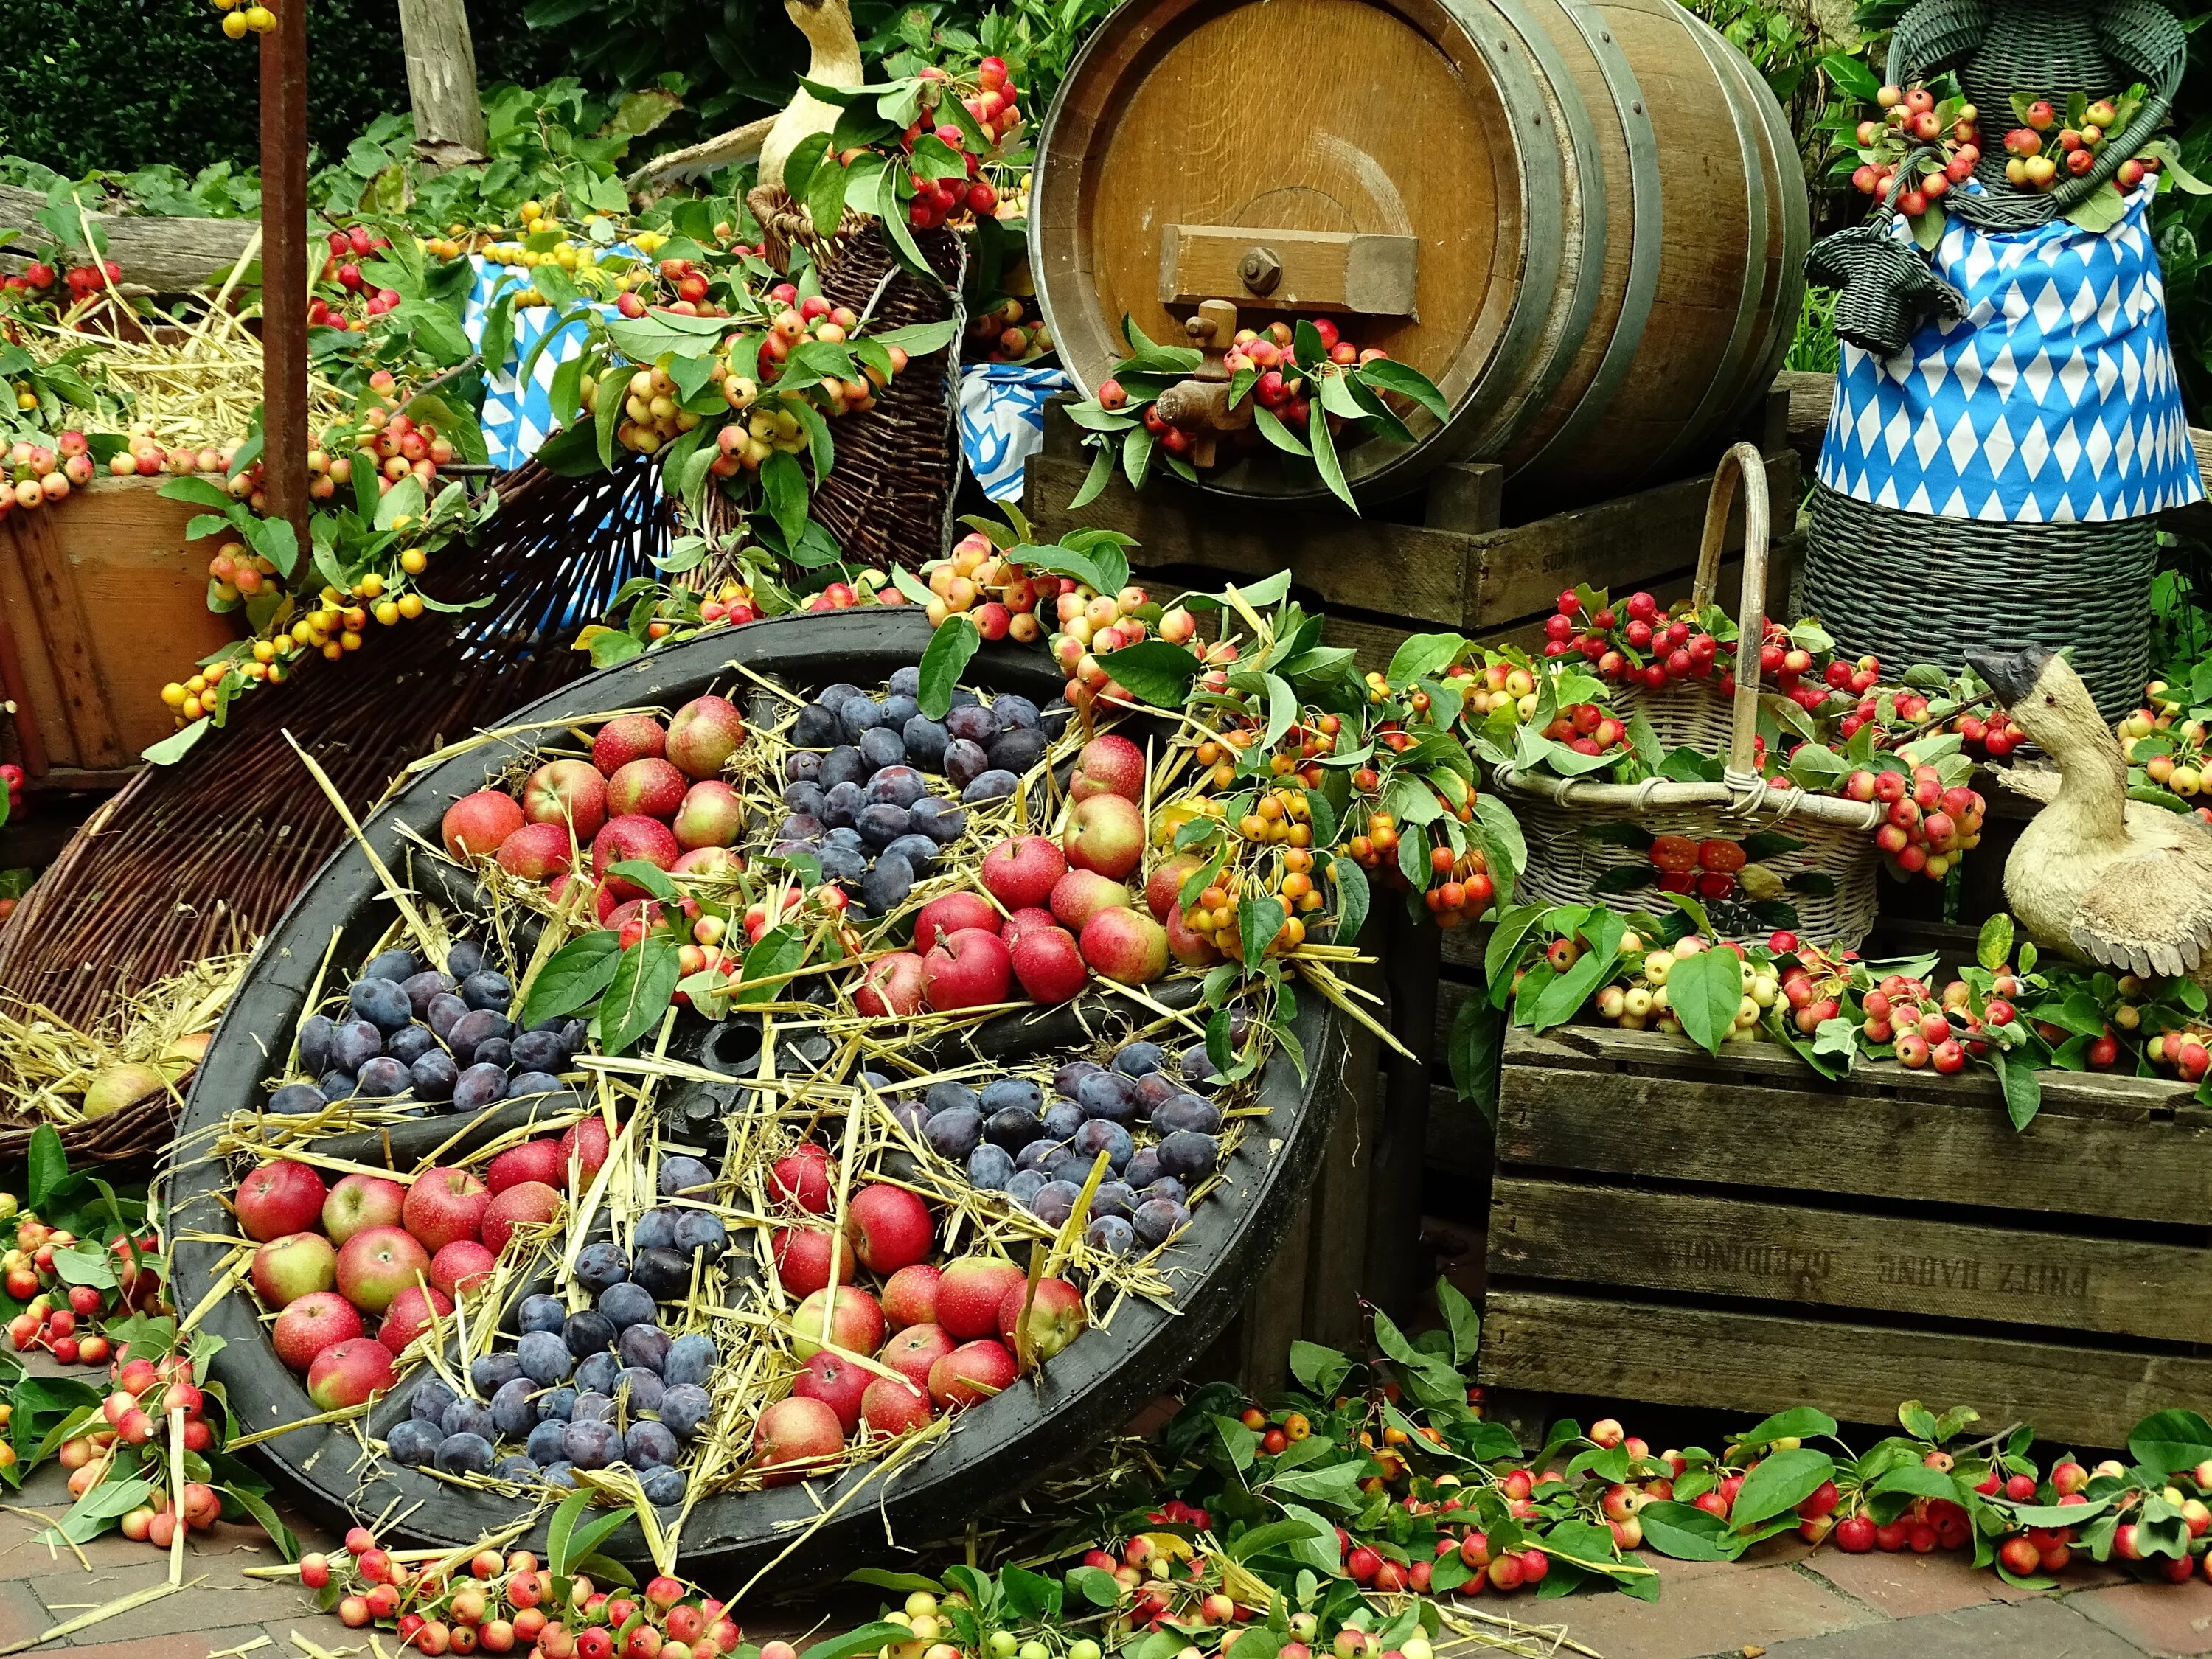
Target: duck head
x=825, y=23
x=2047, y=699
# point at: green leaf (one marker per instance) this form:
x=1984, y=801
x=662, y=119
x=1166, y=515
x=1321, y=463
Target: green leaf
x=49, y=1167
x=266, y=1518
x=1335, y=1486
x=1704, y=991
x=573, y=976
x=951, y=647
x=1094, y=481
x=1154, y=672
x=1798, y=1423
x=1851, y=77
x=1460, y=1318
x=1239, y=1444
x=1276, y=433
x=867, y=1640
x=1993, y=949
x=1324, y=454
x=1352, y=898
x=1258, y=921
x=2171, y=1440
x=197, y=491
x=777, y=952
x=638, y=994
x=783, y=481
x=1422, y=657
x=1784, y=1478
x=1386, y=375
x=1095, y=1585
x=2023, y=1090
x=403, y=499
x=1687, y=1533
x=1320, y=1372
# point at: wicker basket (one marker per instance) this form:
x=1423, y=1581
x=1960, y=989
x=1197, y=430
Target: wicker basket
x=1561, y=819
x=1911, y=589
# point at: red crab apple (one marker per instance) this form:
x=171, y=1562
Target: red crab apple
x=1163, y=887
x=856, y=1325
x=1082, y=894
x=802, y=1260
x=280, y=1197
x=890, y=1228
x=838, y=1383
x=583, y=1148
x=530, y=1201
x=461, y=1266
x=972, y=1290
x=479, y=822
x=892, y=985
x=971, y=1373
x=890, y=1407
x=803, y=1175
x=409, y=1316
x=623, y=839
x=1020, y=871
x=968, y=970
x=348, y=1374
x=1105, y=833
x=533, y=1160
x=712, y=815
x=910, y=1296
x=912, y=1351
x=360, y=1201
x=1126, y=947
x=796, y=1437
x=1048, y=965
x=444, y=1205
x=566, y=792
x=949, y=915
x=1108, y=765
x=704, y=734
x=1190, y=948
x=627, y=737
x=319, y=1320
x=1056, y=1316
x=376, y=1264
x=650, y=788
x=298, y=1264
x=535, y=852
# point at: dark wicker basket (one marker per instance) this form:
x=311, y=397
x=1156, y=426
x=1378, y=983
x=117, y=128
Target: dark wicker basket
x=1912, y=589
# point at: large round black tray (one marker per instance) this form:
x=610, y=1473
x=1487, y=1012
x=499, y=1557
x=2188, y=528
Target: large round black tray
x=1085, y=1393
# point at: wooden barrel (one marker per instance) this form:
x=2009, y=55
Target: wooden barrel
x=1583, y=219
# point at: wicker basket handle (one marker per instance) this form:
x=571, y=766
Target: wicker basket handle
x=1742, y=464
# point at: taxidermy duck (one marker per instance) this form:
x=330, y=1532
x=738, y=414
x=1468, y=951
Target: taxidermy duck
x=2095, y=875
x=827, y=26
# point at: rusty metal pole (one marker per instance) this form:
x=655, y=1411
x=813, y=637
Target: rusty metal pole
x=285, y=265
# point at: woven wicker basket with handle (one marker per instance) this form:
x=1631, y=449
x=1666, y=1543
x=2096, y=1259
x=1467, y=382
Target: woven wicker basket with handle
x=1560, y=818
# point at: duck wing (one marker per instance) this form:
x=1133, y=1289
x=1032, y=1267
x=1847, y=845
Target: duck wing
x=2150, y=914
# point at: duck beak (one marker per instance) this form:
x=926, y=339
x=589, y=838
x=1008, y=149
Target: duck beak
x=2011, y=675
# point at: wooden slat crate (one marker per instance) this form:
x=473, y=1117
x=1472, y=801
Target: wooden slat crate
x=1738, y=1233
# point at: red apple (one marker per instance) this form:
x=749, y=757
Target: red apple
x=890, y=1228
x=444, y=1205
x=533, y=1160
x=529, y=1202
x=319, y=1320
x=796, y=1437
x=889, y=1406
x=568, y=793
x=838, y=1383
x=347, y=1375
x=1082, y=894
x=409, y=1316
x=912, y=1351
x=806, y=1176
x=910, y=1296
x=712, y=814
x=856, y=1325
x=535, y=852
x=583, y=1148
x=974, y=1371
x=376, y=1264
x=1192, y=949
x=648, y=788
x=359, y=1202
x=704, y=734
x=298, y=1264
x=280, y=1197
x=627, y=737
x=971, y=1293
x=802, y=1260
x=1050, y=965
x=1124, y=945
x=1108, y=765
x=461, y=1266
x=950, y=913
x=626, y=839
x=1056, y=1316
x=1106, y=833
x=479, y=822
x=1025, y=922
x=707, y=862
x=892, y=985
x=968, y=970
x=1020, y=871
x=1163, y=887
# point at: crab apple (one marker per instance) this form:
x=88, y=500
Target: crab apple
x=278, y=1199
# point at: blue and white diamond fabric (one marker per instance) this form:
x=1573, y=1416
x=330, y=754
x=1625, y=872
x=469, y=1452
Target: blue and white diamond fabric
x=2051, y=400
x=1002, y=421
x=518, y=414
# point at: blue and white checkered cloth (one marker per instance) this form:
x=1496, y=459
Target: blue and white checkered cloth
x=1002, y=421
x=2052, y=400
x=517, y=415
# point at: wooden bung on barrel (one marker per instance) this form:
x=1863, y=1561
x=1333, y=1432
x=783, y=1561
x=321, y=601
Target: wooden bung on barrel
x=1585, y=223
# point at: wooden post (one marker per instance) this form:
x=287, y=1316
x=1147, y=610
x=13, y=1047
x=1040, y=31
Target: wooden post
x=442, y=82
x=285, y=265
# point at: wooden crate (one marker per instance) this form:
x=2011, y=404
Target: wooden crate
x=102, y=603
x=1737, y=1233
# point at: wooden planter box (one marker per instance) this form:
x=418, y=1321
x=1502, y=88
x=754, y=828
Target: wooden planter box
x=102, y=603
x=1737, y=1233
